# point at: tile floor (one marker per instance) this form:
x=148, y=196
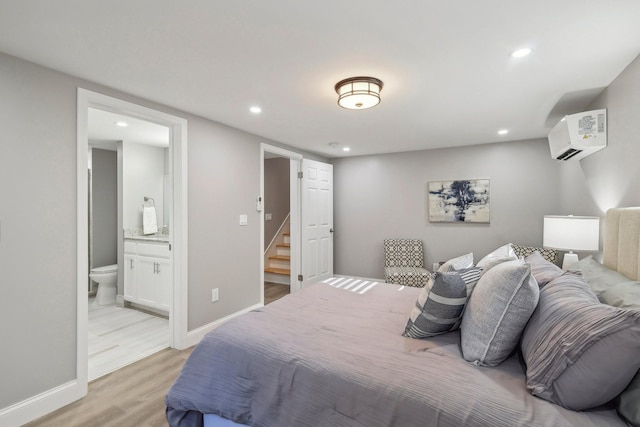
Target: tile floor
x=120, y=336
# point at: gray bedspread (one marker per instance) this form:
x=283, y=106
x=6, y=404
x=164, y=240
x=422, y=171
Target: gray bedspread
x=334, y=355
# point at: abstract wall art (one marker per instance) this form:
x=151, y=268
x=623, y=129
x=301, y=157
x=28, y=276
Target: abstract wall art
x=459, y=201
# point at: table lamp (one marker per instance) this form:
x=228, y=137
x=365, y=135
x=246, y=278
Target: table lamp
x=571, y=233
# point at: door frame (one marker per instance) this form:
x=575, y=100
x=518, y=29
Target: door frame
x=177, y=221
x=294, y=208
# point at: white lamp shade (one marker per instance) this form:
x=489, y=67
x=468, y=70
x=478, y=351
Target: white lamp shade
x=571, y=233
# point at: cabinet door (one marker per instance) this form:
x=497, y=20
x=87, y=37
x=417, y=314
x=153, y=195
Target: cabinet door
x=148, y=286
x=130, y=277
x=165, y=283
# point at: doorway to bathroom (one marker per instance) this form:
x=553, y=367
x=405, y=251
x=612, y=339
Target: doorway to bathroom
x=129, y=206
x=151, y=177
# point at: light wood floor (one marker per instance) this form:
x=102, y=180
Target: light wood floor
x=133, y=395
x=274, y=291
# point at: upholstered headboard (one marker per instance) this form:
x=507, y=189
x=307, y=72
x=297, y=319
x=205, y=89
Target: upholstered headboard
x=622, y=241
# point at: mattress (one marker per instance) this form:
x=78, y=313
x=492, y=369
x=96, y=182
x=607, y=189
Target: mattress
x=333, y=354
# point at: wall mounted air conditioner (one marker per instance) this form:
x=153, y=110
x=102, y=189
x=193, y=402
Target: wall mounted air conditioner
x=578, y=135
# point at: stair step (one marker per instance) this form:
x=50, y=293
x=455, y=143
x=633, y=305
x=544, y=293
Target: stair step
x=283, y=245
x=281, y=257
x=283, y=271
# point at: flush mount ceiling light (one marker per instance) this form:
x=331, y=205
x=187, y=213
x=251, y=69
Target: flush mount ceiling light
x=358, y=93
x=122, y=124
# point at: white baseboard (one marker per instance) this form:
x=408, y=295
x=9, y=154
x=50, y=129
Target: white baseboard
x=41, y=404
x=194, y=336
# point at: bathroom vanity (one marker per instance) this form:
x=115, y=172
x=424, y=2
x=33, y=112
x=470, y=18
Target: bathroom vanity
x=147, y=272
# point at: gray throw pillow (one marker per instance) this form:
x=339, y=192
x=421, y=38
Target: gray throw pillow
x=543, y=271
x=497, y=312
x=579, y=353
x=441, y=303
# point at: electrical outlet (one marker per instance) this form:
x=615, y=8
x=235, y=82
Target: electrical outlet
x=436, y=266
x=214, y=295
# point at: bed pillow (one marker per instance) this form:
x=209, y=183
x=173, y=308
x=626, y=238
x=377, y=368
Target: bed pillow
x=543, y=271
x=458, y=263
x=497, y=312
x=579, y=353
x=623, y=295
x=626, y=295
x=441, y=303
x=598, y=277
x=502, y=254
x=550, y=255
x=629, y=402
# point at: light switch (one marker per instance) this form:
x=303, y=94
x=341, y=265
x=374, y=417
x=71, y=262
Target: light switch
x=244, y=220
x=267, y=217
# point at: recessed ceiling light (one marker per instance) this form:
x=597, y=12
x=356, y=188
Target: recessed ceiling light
x=520, y=53
x=346, y=149
x=122, y=124
x=255, y=109
x=503, y=132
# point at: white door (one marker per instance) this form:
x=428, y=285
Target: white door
x=316, y=221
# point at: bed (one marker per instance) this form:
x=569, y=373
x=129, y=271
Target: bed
x=334, y=354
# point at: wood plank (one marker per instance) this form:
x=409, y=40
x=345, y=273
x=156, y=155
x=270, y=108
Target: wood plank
x=283, y=271
x=274, y=291
x=281, y=257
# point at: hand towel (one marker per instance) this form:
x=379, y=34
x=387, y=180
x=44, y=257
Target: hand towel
x=149, y=220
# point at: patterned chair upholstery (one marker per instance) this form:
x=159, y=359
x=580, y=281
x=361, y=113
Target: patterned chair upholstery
x=404, y=262
x=550, y=255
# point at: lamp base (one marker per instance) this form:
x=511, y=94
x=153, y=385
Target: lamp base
x=569, y=259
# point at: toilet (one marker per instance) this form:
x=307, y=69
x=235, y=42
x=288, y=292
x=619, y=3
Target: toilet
x=107, y=279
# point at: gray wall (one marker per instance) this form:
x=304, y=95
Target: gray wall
x=38, y=218
x=276, y=195
x=384, y=196
x=105, y=207
x=610, y=177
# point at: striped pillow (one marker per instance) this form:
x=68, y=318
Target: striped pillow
x=441, y=303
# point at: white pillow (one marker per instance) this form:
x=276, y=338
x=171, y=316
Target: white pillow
x=503, y=253
x=458, y=263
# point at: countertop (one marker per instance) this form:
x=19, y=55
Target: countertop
x=161, y=238
x=136, y=235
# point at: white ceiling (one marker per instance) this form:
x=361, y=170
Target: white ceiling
x=103, y=131
x=448, y=79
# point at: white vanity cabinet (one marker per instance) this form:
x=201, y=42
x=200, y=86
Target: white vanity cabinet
x=147, y=274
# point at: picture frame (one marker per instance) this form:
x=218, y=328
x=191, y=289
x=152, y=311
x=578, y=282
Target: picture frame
x=466, y=200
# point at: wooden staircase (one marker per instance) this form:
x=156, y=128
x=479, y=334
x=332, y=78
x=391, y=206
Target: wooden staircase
x=278, y=258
